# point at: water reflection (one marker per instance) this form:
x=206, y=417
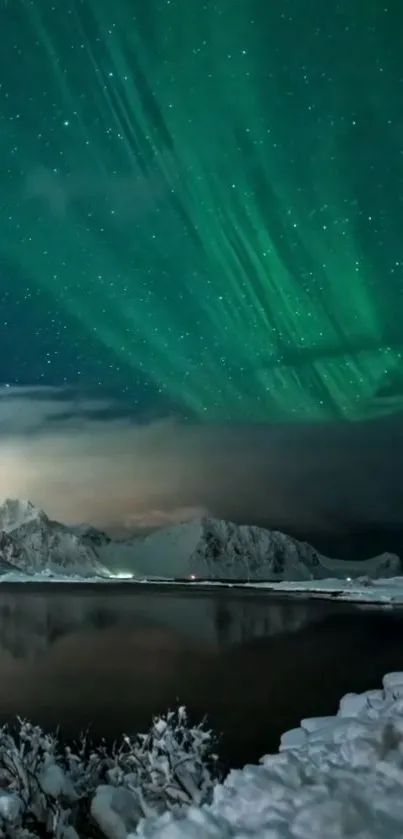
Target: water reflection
x=253, y=664
x=32, y=621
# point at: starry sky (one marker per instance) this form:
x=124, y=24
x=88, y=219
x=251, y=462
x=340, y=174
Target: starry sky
x=202, y=213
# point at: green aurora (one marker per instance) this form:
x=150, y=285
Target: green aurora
x=213, y=192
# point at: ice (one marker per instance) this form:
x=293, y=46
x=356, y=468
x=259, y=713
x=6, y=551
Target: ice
x=375, y=701
x=335, y=777
x=292, y=739
x=352, y=704
x=393, y=685
x=315, y=723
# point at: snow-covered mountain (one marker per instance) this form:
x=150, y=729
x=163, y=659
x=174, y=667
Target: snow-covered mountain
x=32, y=543
x=203, y=547
x=210, y=548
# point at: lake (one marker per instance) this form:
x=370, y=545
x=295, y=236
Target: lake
x=110, y=657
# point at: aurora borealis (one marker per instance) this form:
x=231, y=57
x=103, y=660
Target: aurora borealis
x=202, y=204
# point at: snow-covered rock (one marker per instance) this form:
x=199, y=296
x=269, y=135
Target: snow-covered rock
x=334, y=777
x=209, y=548
x=32, y=544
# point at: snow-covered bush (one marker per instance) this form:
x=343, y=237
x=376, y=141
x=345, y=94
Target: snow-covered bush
x=47, y=788
x=34, y=789
x=172, y=764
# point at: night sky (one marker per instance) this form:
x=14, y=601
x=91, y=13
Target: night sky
x=202, y=216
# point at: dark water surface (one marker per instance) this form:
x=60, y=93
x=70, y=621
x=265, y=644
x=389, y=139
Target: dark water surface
x=110, y=658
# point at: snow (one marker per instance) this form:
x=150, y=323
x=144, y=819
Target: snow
x=47, y=576
x=333, y=777
x=115, y=811
x=10, y=806
x=46, y=788
x=387, y=591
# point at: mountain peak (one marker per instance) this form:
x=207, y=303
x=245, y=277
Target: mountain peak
x=31, y=543
x=15, y=512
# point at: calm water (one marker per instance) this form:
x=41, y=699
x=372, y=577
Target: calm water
x=76, y=658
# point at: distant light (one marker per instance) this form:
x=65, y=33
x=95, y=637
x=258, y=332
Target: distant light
x=122, y=575
x=192, y=577
x=348, y=579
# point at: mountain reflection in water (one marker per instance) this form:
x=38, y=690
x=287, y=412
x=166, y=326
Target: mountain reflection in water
x=253, y=664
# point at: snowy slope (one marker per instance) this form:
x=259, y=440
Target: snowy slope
x=32, y=543
x=214, y=549
x=335, y=777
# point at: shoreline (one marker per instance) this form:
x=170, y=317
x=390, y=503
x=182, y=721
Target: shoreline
x=383, y=592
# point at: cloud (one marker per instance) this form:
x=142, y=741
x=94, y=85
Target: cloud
x=79, y=460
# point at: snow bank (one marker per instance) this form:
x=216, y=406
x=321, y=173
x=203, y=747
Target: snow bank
x=334, y=777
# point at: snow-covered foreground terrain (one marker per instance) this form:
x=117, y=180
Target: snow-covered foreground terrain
x=334, y=777
x=337, y=777
x=202, y=548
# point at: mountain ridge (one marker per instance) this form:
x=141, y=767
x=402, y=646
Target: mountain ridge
x=212, y=548
x=201, y=547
